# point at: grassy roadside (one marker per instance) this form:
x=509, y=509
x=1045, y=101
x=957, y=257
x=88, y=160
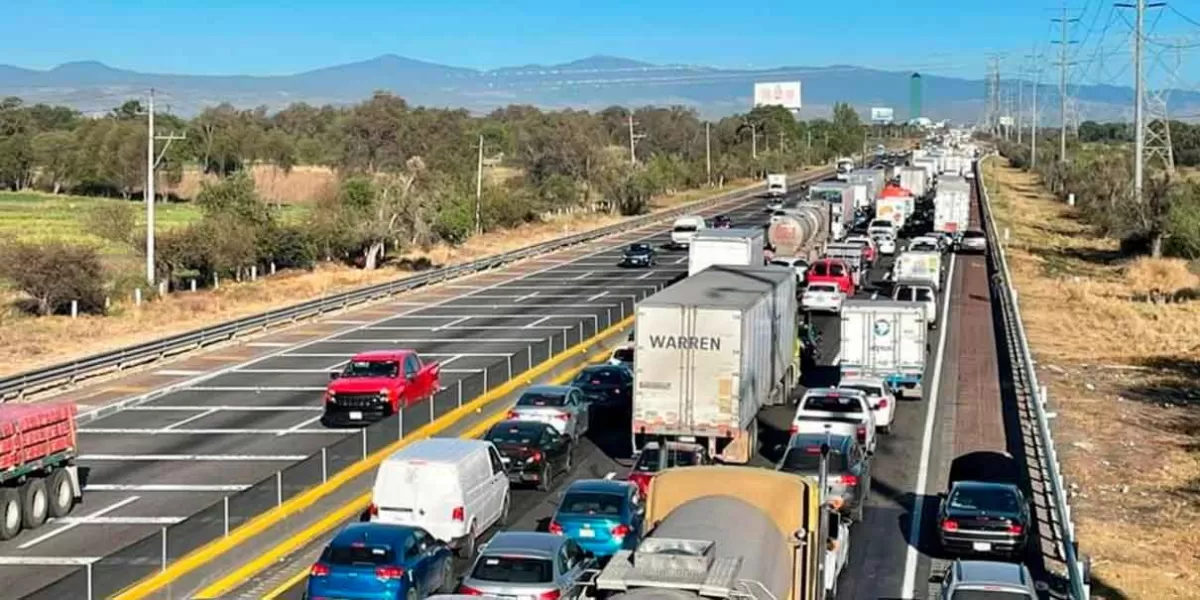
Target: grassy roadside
x=1124, y=376
x=29, y=343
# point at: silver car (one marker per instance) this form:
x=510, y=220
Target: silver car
x=563, y=407
x=986, y=580
x=523, y=565
x=973, y=241
x=826, y=297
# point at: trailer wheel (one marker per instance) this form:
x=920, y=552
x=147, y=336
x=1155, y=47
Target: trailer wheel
x=34, y=503
x=61, y=493
x=10, y=513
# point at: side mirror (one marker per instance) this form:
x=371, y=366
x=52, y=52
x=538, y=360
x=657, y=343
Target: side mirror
x=938, y=578
x=334, y=375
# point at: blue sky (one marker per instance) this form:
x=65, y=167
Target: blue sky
x=258, y=37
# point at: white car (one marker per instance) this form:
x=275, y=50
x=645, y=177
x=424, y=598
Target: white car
x=799, y=265
x=973, y=241
x=882, y=226
x=622, y=356
x=846, y=412
x=883, y=401
x=562, y=407
x=774, y=205
x=921, y=294
x=924, y=243
x=685, y=228
x=885, y=243
x=866, y=242
x=822, y=297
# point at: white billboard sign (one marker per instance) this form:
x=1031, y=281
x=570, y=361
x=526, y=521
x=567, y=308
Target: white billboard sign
x=1006, y=121
x=779, y=93
x=882, y=115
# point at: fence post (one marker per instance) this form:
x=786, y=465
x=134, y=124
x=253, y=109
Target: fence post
x=89, y=581
x=608, y=317
x=529, y=355
x=400, y=424
x=485, y=381
x=216, y=281
x=459, y=384
x=550, y=347
x=226, y=516
x=510, y=373
x=74, y=309
x=364, y=441
x=193, y=284
x=432, y=413
x=278, y=488
x=253, y=272
x=164, y=548
x=137, y=296
x=324, y=464
x=272, y=267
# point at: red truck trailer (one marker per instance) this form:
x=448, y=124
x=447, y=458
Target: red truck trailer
x=38, y=477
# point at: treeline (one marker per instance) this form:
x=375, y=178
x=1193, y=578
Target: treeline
x=1165, y=222
x=1185, y=138
x=406, y=176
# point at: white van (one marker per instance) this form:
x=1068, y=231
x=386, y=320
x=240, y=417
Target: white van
x=685, y=229
x=455, y=489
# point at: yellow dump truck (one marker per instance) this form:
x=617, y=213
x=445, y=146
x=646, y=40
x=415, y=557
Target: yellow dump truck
x=724, y=532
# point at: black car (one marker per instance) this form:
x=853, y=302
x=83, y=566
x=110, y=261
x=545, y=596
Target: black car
x=984, y=518
x=848, y=468
x=608, y=387
x=533, y=452
x=722, y=222
x=639, y=255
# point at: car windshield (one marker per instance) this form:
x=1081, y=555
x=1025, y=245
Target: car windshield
x=600, y=376
x=648, y=461
x=833, y=403
x=355, y=555
x=639, y=249
x=542, y=399
x=990, y=500
x=924, y=295
x=824, y=288
x=624, y=354
x=872, y=391
x=973, y=234
x=904, y=294
x=590, y=503
x=808, y=460
x=513, y=569
x=683, y=228
x=372, y=368
x=881, y=223
x=516, y=433
x=990, y=594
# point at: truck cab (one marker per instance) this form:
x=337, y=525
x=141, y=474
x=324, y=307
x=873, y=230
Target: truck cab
x=685, y=228
x=776, y=185
x=376, y=385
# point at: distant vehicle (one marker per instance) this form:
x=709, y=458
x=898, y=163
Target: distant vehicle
x=822, y=297
x=777, y=185
x=799, y=265
x=883, y=402
x=924, y=244
x=868, y=243
x=623, y=356
x=602, y=515
x=722, y=222
x=845, y=412
x=849, y=468
x=639, y=255
x=532, y=452
x=984, y=518
x=653, y=458
x=376, y=560
x=921, y=294
x=38, y=476
x=844, y=166
x=775, y=207
x=986, y=580
x=376, y=385
x=829, y=270
x=881, y=226
x=562, y=406
x=886, y=243
x=973, y=241
x=685, y=229
x=609, y=389
x=528, y=565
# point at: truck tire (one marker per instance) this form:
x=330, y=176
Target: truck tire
x=35, y=503
x=62, y=496
x=10, y=513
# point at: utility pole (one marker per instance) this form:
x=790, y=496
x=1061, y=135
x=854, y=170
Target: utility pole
x=1063, y=64
x=1139, y=94
x=1033, y=124
x=479, y=190
x=152, y=162
x=708, y=150
x=633, y=138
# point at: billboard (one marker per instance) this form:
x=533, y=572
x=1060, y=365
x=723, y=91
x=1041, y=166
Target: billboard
x=882, y=115
x=778, y=93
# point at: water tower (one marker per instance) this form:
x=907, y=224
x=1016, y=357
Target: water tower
x=914, y=96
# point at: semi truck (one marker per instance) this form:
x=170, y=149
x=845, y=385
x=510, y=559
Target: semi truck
x=38, y=476
x=844, y=166
x=799, y=231
x=729, y=533
x=914, y=179
x=919, y=267
x=777, y=185
x=885, y=339
x=725, y=247
x=840, y=195
x=896, y=204
x=711, y=351
x=952, y=205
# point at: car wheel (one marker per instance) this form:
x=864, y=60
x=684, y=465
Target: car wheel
x=411, y=595
x=448, y=580
x=885, y=429
x=467, y=550
x=545, y=479
x=503, y=520
x=570, y=460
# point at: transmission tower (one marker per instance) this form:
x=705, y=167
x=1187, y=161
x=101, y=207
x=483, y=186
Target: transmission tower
x=1169, y=55
x=1064, y=44
x=992, y=116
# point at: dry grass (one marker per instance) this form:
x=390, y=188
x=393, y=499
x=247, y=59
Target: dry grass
x=301, y=185
x=1124, y=374
x=29, y=343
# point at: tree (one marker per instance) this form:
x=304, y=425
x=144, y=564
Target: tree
x=847, y=134
x=54, y=152
x=55, y=273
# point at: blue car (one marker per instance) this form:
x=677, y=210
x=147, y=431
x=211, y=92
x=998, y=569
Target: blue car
x=601, y=515
x=379, y=561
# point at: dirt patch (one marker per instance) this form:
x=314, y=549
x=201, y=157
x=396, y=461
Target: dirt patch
x=1121, y=356
x=29, y=343
x=302, y=185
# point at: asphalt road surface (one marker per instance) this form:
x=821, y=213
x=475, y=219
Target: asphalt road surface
x=152, y=465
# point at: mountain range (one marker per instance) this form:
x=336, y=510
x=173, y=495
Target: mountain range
x=589, y=83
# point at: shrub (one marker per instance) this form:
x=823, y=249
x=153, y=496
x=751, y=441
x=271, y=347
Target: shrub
x=112, y=221
x=55, y=273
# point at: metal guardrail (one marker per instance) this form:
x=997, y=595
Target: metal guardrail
x=72, y=372
x=1064, y=527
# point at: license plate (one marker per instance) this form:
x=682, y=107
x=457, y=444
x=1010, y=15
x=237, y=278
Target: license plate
x=587, y=533
x=982, y=547
x=355, y=415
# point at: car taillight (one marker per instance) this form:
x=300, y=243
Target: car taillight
x=620, y=531
x=794, y=429
x=319, y=570
x=512, y=414
x=551, y=595
x=535, y=456
x=386, y=573
x=562, y=415
x=373, y=510
x=882, y=403
x=458, y=514
x=949, y=525
x=1015, y=528
x=642, y=480
x=467, y=590
x=850, y=480
x=555, y=528
x=861, y=432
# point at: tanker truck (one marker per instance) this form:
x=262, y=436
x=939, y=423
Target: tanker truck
x=726, y=533
x=798, y=232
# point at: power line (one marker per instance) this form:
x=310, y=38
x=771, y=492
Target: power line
x=1064, y=64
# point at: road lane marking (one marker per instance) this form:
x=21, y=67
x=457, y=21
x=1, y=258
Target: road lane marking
x=72, y=525
x=159, y=487
x=443, y=363
x=117, y=520
x=348, y=355
x=289, y=458
x=445, y=325
x=270, y=344
x=597, y=296
x=299, y=426
x=911, y=557
x=537, y=322
x=646, y=275
x=255, y=389
x=222, y=407
x=160, y=431
x=489, y=340
x=345, y=322
x=195, y=417
x=522, y=298
x=581, y=277
x=178, y=373
x=681, y=260
x=47, y=561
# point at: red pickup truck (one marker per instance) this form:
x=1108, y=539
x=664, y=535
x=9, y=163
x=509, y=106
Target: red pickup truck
x=375, y=385
x=832, y=270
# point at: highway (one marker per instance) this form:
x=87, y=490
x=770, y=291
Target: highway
x=879, y=545
x=153, y=464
